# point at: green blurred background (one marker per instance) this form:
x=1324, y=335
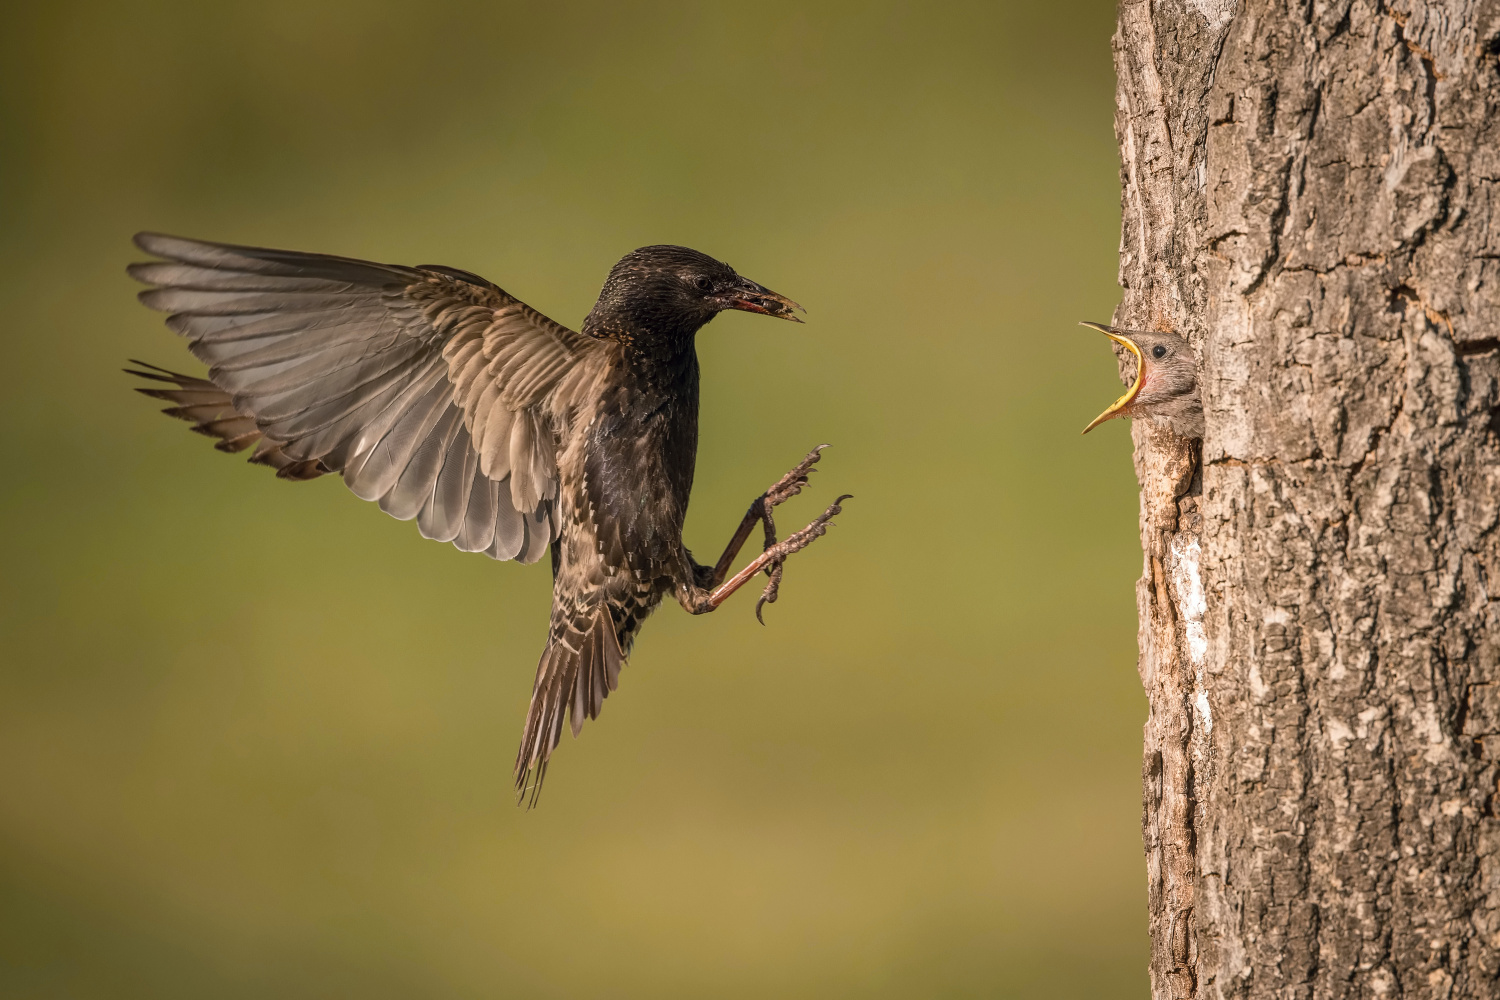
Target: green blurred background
x=256, y=738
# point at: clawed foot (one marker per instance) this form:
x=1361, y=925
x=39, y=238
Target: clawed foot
x=780, y=492
x=795, y=542
x=791, y=484
x=773, y=554
x=783, y=490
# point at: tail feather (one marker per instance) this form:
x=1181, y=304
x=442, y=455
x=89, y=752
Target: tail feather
x=211, y=412
x=578, y=669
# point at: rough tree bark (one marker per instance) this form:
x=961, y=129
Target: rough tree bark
x=1312, y=198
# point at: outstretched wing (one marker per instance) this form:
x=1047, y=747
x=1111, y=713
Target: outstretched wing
x=426, y=387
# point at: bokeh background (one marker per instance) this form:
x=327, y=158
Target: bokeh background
x=256, y=738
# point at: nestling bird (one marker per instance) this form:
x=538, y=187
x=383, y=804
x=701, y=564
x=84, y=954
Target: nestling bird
x=444, y=399
x=1165, y=389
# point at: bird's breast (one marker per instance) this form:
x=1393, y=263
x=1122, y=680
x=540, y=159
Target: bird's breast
x=639, y=451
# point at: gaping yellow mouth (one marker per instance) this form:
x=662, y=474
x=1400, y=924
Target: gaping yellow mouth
x=1135, y=387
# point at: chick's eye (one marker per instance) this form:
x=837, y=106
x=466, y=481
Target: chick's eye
x=1159, y=351
x=703, y=283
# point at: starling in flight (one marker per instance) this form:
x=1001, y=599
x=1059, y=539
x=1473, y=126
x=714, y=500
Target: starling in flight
x=1165, y=389
x=444, y=399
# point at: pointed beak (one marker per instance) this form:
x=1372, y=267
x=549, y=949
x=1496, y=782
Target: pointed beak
x=758, y=299
x=1135, y=387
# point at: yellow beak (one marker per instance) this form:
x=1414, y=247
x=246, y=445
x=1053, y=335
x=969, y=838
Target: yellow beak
x=1140, y=368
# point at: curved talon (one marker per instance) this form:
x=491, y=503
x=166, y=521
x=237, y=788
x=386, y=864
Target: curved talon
x=795, y=542
x=791, y=484
x=768, y=596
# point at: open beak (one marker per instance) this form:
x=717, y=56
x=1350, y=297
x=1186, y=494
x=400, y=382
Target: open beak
x=759, y=299
x=1135, y=387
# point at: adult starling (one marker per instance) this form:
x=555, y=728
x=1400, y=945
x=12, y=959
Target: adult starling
x=444, y=399
x=1165, y=389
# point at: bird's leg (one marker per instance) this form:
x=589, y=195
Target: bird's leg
x=712, y=589
x=772, y=557
x=780, y=492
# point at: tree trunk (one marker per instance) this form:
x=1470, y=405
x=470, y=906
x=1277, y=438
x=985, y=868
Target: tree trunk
x=1312, y=198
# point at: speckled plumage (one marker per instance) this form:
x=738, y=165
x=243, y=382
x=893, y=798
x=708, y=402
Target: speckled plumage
x=448, y=401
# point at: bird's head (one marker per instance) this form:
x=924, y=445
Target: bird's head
x=1166, y=377
x=664, y=294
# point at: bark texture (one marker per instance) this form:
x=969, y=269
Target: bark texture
x=1312, y=198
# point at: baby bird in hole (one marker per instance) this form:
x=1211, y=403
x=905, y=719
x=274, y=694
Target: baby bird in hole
x=1165, y=388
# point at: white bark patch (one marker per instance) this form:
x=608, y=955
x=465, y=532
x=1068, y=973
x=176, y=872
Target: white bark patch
x=1192, y=604
x=1187, y=580
x=1217, y=13
x=1424, y=720
x=1367, y=718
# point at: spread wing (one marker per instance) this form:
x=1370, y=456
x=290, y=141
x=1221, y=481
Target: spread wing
x=426, y=387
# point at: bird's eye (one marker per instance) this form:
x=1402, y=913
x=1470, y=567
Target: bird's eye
x=703, y=283
x=1159, y=351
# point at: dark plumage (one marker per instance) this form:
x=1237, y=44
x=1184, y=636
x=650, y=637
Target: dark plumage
x=1165, y=387
x=444, y=399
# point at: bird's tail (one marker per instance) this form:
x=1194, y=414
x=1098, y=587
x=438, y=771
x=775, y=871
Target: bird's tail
x=211, y=412
x=579, y=668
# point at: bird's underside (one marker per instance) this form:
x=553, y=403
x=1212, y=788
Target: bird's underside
x=599, y=605
x=434, y=393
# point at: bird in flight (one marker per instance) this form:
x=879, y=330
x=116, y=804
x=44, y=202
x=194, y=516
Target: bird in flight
x=445, y=399
x=1165, y=388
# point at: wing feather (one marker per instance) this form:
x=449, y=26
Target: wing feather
x=378, y=473
x=510, y=529
x=427, y=388
x=419, y=478
x=495, y=452
x=523, y=491
x=443, y=516
x=540, y=527
x=478, y=530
